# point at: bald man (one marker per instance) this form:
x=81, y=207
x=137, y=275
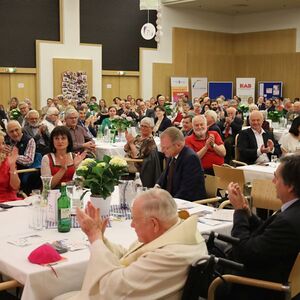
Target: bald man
x=255, y=144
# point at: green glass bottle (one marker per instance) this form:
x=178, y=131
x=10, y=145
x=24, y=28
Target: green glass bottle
x=64, y=210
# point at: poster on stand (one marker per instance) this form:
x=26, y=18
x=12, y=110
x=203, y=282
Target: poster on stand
x=199, y=86
x=245, y=88
x=179, y=87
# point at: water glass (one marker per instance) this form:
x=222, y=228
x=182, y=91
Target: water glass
x=274, y=158
x=37, y=217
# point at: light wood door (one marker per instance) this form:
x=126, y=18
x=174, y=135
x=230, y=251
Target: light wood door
x=119, y=86
x=18, y=85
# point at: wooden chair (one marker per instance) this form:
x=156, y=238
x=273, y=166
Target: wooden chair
x=236, y=161
x=210, y=185
x=263, y=195
x=11, y=284
x=291, y=290
x=225, y=175
x=27, y=170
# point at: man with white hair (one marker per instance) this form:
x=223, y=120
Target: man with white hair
x=212, y=118
x=51, y=120
x=24, y=109
x=230, y=127
x=207, y=144
x=155, y=267
x=38, y=131
x=183, y=176
x=81, y=140
x=256, y=145
x=294, y=113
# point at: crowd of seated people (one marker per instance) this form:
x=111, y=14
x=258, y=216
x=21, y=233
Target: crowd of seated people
x=31, y=131
x=193, y=137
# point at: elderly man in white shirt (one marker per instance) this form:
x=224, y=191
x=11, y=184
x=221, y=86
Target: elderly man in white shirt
x=155, y=267
x=256, y=145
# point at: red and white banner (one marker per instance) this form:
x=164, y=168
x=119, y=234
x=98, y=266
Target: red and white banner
x=245, y=88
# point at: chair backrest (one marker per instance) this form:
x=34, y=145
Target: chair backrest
x=236, y=149
x=225, y=175
x=210, y=185
x=263, y=195
x=294, y=278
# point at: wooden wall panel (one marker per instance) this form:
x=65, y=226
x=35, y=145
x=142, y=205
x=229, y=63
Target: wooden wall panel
x=161, y=78
x=61, y=65
x=268, y=55
x=4, y=89
x=129, y=85
x=24, y=86
x=265, y=42
x=282, y=67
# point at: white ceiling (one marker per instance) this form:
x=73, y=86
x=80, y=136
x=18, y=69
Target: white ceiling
x=234, y=7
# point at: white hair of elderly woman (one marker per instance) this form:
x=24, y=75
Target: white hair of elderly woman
x=148, y=121
x=160, y=204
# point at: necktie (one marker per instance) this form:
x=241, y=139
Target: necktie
x=227, y=129
x=170, y=175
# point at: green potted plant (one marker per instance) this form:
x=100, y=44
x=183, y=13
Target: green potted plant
x=101, y=177
x=121, y=124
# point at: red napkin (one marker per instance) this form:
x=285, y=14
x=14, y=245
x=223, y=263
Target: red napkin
x=44, y=255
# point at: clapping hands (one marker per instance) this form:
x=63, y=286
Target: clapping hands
x=237, y=199
x=91, y=223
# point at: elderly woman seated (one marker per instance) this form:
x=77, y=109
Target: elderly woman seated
x=141, y=145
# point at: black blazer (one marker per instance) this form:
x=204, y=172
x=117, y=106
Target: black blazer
x=267, y=249
x=247, y=145
x=165, y=123
x=188, y=177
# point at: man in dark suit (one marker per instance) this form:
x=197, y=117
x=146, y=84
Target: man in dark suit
x=183, y=177
x=143, y=111
x=230, y=126
x=254, y=144
x=268, y=249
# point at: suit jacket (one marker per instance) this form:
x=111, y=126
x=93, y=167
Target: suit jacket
x=235, y=126
x=267, y=249
x=165, y=123
x=188, y=177
x=149, y=112
x=156, y=270
x=247, y=145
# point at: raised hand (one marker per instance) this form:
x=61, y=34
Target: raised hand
x=91, y=223
x=78, y=158
x=237, y=199
x=13, y=156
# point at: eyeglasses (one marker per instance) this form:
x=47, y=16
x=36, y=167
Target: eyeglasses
x=144, y=126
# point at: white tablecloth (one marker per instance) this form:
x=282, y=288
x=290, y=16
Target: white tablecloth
x=259, y=171
x=279, y=132
x=40, y=282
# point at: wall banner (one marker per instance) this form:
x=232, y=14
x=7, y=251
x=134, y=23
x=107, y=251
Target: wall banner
x=179, y=87
x=245, y=88
x=199, y=86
